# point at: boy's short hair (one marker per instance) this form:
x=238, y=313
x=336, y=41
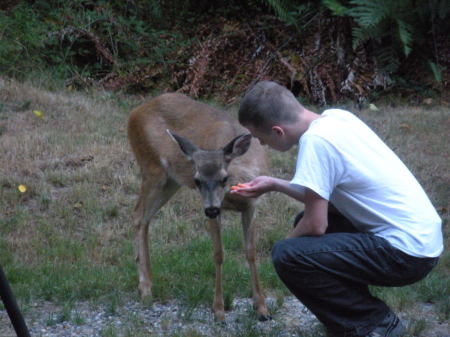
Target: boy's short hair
x=266, y=104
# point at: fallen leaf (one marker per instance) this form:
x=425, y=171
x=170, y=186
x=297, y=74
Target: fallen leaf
x=78, y=205
x=373, y=107
x=405, y=126
x=38, y=114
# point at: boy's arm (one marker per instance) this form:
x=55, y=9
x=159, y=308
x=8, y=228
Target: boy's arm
x=294, y=191
x=315, y=219
x=264, y=184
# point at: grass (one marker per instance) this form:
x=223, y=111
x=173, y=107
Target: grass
x=68, y=238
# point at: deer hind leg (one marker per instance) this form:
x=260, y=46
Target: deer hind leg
x=155, y=192
x=259, y=302
x=215, y=232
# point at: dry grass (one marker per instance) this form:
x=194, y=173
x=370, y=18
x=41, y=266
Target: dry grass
x=77, y=151
x=72, y=227
x=420, y=136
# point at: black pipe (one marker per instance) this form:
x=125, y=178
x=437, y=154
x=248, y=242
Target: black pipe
x=11, y=307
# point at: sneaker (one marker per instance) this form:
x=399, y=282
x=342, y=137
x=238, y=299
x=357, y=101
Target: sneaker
x=390, y=326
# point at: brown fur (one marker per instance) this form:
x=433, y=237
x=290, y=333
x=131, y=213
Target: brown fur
x=164, y=168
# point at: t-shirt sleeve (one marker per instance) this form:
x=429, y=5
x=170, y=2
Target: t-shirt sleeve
x=319, y=166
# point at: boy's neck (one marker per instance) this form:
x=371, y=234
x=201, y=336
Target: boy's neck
x=306, y=117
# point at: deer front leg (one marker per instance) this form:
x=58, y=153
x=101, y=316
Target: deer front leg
x=143, y=260
x=259, y=302
x=215, y=232
x=152, y=197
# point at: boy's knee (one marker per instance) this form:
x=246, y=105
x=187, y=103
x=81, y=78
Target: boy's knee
x=292, y=253
x=280, y=254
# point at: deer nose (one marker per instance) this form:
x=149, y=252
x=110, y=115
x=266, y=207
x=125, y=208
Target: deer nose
x=212, y=212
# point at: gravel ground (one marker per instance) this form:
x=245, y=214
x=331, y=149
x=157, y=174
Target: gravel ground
x=45, y=319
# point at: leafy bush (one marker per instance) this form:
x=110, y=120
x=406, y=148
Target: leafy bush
x=329, y=48
x=22, y=36
x=84, y=39
x=392, y=30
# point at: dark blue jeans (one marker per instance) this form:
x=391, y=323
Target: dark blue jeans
x=330, y=274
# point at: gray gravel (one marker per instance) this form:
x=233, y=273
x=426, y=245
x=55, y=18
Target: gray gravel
x=44, y=320
x=290, y=318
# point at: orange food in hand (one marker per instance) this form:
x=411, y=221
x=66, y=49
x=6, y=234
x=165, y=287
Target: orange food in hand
x=239, y=186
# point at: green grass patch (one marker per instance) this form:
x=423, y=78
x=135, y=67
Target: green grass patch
x=74, y=278
x=194, y=261
x=69, y=236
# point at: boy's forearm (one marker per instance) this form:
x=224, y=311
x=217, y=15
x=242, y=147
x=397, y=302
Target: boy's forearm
x=285, y=187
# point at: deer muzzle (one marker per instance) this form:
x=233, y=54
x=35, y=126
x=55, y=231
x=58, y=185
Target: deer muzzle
x=212, y=212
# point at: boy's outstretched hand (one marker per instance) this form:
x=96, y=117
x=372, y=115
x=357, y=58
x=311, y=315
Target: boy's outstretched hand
x=253, y=188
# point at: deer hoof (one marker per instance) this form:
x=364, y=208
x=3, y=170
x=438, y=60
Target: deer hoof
x=219, y=316
x=147, y=301
x=146, y=296
x=264, y=318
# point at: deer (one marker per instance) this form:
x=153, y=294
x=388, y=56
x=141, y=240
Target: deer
x=178, y=141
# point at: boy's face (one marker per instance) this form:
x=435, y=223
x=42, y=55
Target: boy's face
x=274, y=138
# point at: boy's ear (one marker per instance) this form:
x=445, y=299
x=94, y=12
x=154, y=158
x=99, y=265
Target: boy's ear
x=278, y=130
x=237, y=147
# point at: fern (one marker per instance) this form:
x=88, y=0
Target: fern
x=373, y=15
x=155, y=8
x=281, y=8
x=386, y=24
x=388, y=59
x=293, y=13
x=405, y=33
x=370, y=12
x=336, y=7
x=436, y=70
x=363, y=34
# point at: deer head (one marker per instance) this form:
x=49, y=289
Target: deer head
x=211, y=168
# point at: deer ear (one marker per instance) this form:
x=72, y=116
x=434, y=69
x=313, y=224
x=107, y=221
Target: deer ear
x=185, y=144
x=237, y=147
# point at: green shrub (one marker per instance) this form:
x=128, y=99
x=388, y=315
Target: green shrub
x=84, y=40
x=22, y=36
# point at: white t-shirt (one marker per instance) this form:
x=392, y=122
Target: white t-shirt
x=344, y=161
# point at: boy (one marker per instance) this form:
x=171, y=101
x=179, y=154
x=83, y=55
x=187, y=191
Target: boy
x=367, y=221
